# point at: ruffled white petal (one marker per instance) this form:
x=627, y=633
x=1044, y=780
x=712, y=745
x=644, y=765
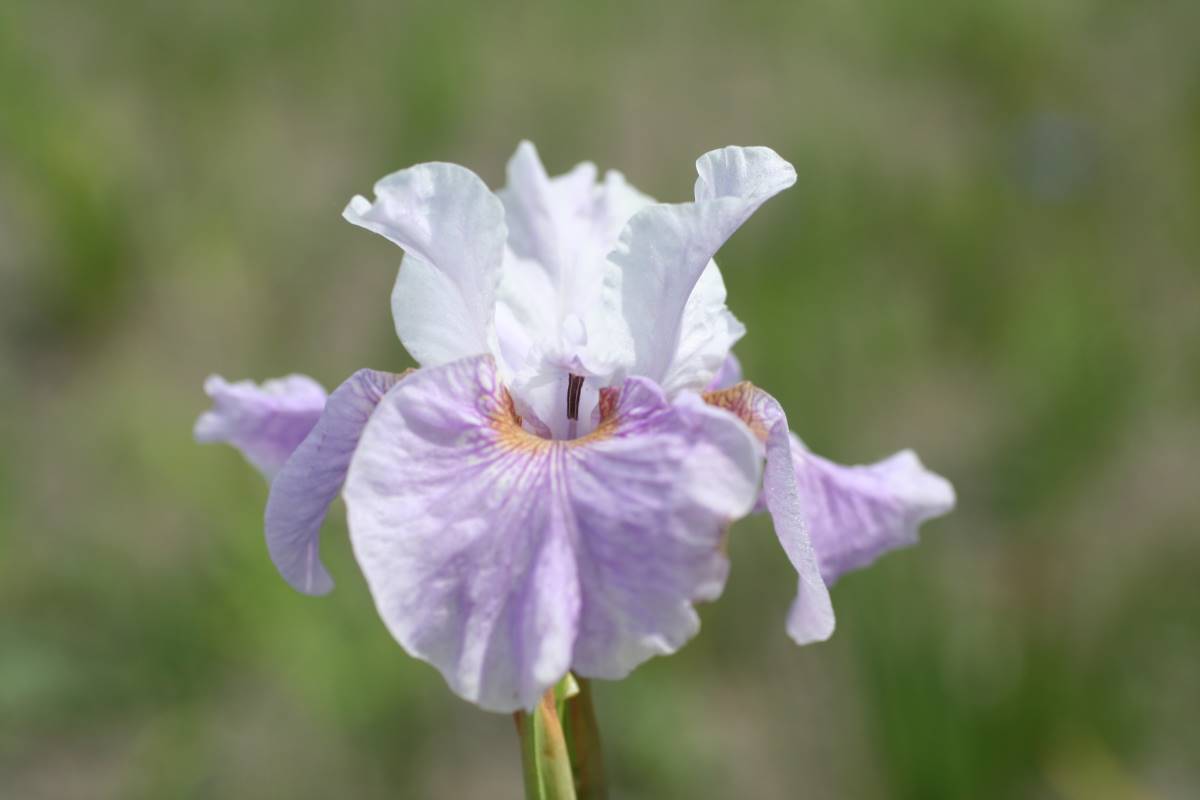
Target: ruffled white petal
x=550, y=220
x=452, y=229
x=549, y=320
x=663, y=252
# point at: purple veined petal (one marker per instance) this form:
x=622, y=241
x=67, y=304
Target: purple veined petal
x=266, y=423
x=856, y=514
x=652, y=541
x=313, y=476
x=811, y=616
x=452, y=229
x=664, y=250
x=504, y=559
x=728, y=375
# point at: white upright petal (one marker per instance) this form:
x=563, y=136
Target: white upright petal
x=452, y=229
x=707, y=333
x=664, y=250
x=549, y=219
x=548, y=318
x=526, y=312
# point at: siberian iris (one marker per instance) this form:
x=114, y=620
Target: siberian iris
x=549, y=491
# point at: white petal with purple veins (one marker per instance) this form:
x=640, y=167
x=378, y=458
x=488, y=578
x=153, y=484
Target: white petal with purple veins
x=266, y=423
x=505, y=559
x=312, y=478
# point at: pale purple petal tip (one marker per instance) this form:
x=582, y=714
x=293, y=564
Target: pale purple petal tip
x=312, y=478
x=858, y=513
x=266, y=423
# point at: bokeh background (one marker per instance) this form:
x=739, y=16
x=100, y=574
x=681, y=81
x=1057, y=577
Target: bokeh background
x=991, y=256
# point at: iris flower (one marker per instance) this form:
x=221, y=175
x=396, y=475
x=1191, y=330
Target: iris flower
x=550, y=490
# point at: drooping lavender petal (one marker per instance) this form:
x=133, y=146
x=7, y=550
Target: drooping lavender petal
x=856, y=514
x=664, y=249
x=452, y=229
x=266, y=423
x=653, y=503
x=503, y=559
x=728, y=375
x=811, y=616
x=311, y=479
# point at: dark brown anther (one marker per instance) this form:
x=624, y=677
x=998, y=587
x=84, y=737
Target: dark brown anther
x=574, y=390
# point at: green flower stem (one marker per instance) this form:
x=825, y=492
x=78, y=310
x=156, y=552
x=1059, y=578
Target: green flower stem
x=583, y=742
x=545, y=760
x=560, y=745
x=529, y=765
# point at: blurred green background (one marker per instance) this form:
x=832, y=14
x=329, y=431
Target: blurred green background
x=991, y=256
